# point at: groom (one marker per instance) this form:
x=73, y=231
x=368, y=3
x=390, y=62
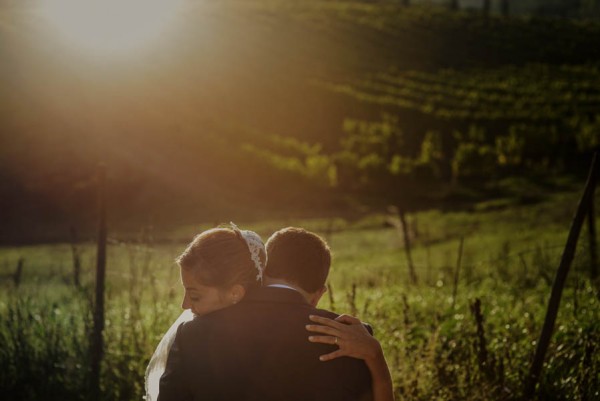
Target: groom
x=259, y=348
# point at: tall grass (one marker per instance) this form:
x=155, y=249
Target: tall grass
x=437, y=347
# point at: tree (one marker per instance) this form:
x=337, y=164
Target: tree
x=486, y=7
x=504, y=8
x=454, y=5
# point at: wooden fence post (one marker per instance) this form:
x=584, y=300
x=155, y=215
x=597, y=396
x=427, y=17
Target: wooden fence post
x=329, y=231
x=97, y=339
x=351, y=297
x=331, y=297
x=482, y=355
x=457, y=272
x=411, y=267
x=428, y=256
x=559, y=281
x=18, y=272
x=592, y=238
x=76, y=258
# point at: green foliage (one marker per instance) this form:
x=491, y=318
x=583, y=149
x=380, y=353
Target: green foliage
x=431, y=148
x=433, y=347
x=534, y=92
x=370, y=150
x=534, y=115
x=509, y=149
x=588, y=133
x=432, y=70
x=50, y=342
x=473, y=157
x=296, y=157
x=503, y=119
x=473, y=160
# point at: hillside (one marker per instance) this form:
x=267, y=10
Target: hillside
x=179, y=125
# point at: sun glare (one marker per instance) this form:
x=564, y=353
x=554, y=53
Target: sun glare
x=111, y=26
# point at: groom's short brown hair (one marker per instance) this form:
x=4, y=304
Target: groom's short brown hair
x=298, y=256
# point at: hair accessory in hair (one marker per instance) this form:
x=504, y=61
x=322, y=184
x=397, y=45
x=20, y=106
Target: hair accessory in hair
x=255, y=245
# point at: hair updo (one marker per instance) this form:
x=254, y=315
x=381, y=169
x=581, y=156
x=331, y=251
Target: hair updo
x=220, y=257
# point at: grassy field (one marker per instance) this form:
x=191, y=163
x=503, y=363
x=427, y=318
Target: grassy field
x=360, y=99
x=430, y=339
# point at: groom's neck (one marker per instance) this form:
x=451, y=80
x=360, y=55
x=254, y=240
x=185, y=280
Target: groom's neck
x=279, y=281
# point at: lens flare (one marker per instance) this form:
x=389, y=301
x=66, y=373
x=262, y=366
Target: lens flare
x=111, y=26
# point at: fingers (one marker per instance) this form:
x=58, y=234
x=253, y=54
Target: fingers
x=332, y=355
x=323, y=329
x=347, y=319
x=325, y=321
x=323, y=339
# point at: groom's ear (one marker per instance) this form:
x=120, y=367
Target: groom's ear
x=236, y=293
x=316, y=296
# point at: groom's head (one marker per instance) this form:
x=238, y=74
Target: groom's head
x=299, y=258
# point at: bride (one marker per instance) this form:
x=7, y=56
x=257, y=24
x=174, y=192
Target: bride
x=233, y=262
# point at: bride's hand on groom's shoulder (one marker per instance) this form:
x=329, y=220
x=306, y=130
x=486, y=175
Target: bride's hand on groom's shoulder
x=349, y=334
x=354, y=340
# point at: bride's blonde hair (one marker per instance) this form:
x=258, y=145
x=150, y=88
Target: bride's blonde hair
x=220, y=258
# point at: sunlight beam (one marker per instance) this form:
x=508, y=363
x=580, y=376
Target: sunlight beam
x=111, y=27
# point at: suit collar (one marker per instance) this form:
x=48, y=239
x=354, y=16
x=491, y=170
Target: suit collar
x=275, y=294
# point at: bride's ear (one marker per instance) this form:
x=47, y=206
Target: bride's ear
x=236, y=293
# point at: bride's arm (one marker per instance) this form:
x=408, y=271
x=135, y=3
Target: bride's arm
x=353, y=340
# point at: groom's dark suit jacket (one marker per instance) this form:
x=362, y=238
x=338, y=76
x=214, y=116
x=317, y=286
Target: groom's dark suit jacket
x=259, y=350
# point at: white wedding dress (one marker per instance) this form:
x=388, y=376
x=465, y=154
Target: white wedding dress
x=158, y=362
